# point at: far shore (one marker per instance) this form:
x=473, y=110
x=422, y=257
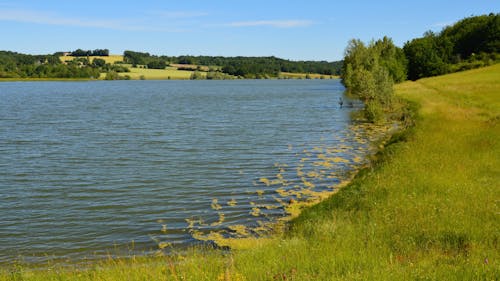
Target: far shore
x=295, y=76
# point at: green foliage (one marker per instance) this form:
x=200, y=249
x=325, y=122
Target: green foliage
x=15, y=65
x=474, y=35
x=157, y=64
x=217, y=75
x=86, y=53
x=136, y=57
x=369, y=74
x=118, y=68
x=248, y=67
x=436, y=54
x=98, y=62
x=392, y=59
x=113, y=75
x=374, y=112
x=425, y=57
x=197, y=75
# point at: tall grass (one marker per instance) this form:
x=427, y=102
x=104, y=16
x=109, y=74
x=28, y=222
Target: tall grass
x=428, y=209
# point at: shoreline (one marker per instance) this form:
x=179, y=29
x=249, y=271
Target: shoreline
x=425, y=209
x=331, y=77
x=241, y=237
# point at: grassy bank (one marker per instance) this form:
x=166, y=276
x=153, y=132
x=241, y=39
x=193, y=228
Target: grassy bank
x=427, y=210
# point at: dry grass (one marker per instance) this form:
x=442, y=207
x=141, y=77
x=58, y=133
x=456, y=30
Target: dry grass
x=158, y=74
x=109, y=59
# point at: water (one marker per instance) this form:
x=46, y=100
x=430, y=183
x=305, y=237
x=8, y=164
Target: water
x=88, y=167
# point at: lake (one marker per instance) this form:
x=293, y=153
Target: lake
x=91, y=168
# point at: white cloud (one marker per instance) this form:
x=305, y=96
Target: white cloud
x=179, y=14
x=35, y=17
x=272, y=23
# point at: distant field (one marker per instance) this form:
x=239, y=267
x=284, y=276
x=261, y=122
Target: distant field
x=109, y=59
x=172, y=71
x=303, y=75
x=158, y=74
x=191, y=66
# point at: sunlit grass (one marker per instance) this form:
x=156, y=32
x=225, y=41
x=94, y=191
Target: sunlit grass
x=158, y=74
x=427, y=210
x=109, y=59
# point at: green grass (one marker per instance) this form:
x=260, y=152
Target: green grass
x=427, y=210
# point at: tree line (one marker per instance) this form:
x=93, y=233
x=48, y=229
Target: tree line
x=87, y=53
x=369, y=70
x=248, y=67
x=16, y=65
x=469, y=43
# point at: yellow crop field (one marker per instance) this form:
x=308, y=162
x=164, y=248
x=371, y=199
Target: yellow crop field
x=109, y=59
x=157, y=74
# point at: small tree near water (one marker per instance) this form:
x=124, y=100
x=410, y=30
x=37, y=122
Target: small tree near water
x=367, y=76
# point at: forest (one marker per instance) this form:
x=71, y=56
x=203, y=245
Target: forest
x=370, y=70
x=16, y=65
x=470, y=43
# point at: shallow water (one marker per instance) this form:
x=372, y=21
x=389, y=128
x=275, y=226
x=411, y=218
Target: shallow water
x=88, y=167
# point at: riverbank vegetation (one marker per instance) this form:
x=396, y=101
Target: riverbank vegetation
x=369, y=73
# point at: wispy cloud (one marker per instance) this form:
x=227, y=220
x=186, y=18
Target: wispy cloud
x=35, y=17
x=272, y=23
x=179, y=14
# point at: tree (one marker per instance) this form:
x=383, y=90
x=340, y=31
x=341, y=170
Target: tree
x=98, y=62
x=196, y=75
x=435, y=54
x=392, y=58
x=369, y=73
x=157, y=64
x=424, y=57
x=136, y=57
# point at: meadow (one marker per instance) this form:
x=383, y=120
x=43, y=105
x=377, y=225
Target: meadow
x=426, y=209
x=108, y=59
x=157, y=74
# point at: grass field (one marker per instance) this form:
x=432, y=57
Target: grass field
x=158, y=74
x=109, y=59
x=427, y=210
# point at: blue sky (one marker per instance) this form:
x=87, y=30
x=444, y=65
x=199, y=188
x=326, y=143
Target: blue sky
x=297, y=30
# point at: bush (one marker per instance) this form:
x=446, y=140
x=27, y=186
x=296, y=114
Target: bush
x=369, y=74
x=158, y=64
x=374, y=112
x=112, y=75
x=196, y=76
